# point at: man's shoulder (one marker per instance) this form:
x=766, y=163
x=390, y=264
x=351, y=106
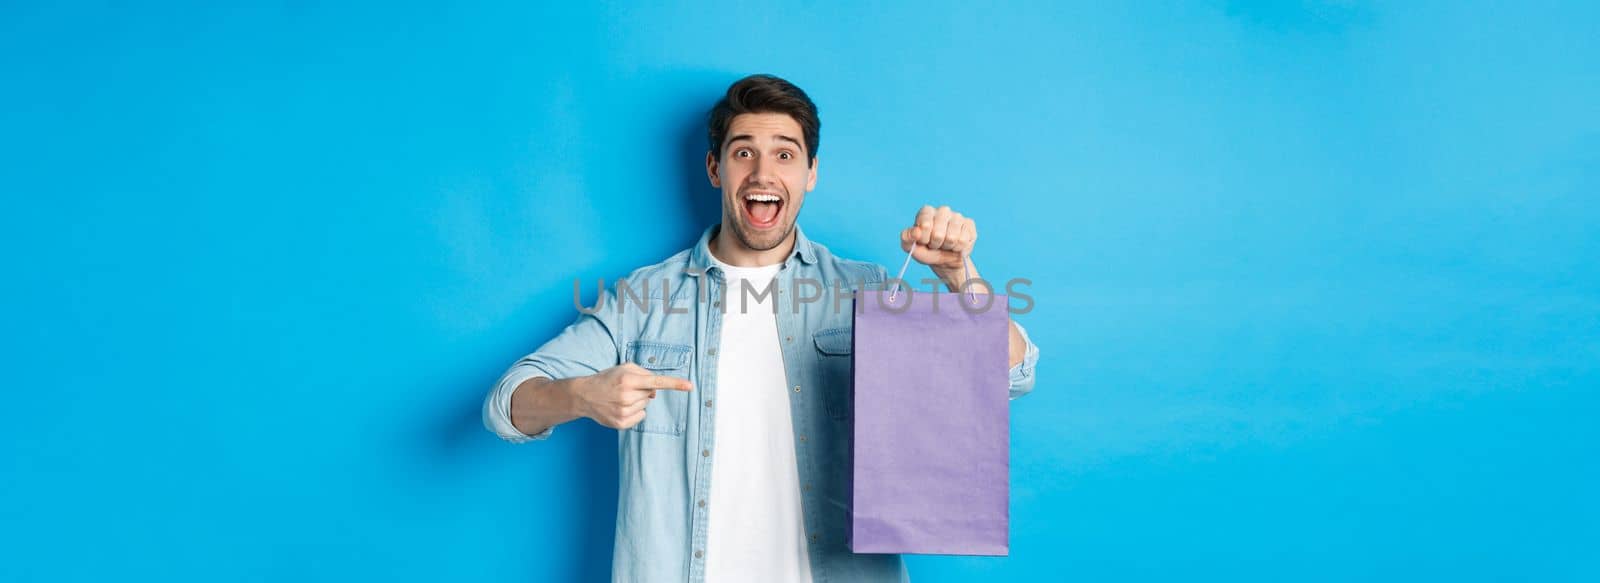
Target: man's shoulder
x=672, y=267
x=848, y=269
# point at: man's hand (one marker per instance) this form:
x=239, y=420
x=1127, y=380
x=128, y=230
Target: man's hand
x=944, y=238
x=616, y=397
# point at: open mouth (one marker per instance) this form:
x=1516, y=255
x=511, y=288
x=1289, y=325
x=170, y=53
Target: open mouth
x=762, y=209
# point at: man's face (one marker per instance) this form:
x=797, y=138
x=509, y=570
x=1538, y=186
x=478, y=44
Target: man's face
x=764, y=177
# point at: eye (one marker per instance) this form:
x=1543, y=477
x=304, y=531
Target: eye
x=742, y=153
x=785, y=155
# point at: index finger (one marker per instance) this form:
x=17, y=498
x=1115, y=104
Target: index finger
x=656, y=381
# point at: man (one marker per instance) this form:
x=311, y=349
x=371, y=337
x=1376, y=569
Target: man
x=729, y=384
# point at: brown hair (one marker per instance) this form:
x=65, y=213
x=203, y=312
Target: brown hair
x=765, y=94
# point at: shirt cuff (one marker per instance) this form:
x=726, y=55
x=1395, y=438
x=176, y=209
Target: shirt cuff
x=1022, y=374
x=497, y=409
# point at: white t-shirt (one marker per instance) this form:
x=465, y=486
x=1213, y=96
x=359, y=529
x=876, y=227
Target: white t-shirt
x=756, y=529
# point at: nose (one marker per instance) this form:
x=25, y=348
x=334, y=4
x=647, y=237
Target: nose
x=760, y=171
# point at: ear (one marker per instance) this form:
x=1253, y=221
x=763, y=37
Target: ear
x=711, y=169
x=811, y=180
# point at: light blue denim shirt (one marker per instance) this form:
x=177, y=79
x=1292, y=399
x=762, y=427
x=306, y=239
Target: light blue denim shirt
x=665, y=460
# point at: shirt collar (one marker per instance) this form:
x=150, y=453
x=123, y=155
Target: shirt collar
x=700, y=258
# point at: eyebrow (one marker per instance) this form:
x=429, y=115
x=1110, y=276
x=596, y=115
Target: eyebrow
x=778, y=137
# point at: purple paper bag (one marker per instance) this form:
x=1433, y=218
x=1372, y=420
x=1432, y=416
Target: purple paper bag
x=931, y=424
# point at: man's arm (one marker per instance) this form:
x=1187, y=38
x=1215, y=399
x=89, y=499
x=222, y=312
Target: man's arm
x=615, y=397
x=540, y=390
x=540, y=403
x=526, y=404
x=574, y=375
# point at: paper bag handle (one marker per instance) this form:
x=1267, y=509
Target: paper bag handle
x=966, y=272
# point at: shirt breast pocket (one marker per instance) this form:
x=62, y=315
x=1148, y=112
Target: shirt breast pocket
x=668, y=412
x=836, y=363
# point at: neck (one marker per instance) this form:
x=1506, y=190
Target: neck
x=727, y=248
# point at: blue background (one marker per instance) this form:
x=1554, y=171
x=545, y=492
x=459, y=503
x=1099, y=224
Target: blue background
x=1316, y=284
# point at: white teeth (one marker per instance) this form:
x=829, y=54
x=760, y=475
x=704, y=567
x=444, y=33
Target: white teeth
x=762, y=197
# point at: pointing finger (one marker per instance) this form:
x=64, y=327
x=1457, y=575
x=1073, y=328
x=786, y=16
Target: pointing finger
x=669, y=383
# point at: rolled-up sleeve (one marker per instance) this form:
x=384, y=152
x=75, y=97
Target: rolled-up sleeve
x=585, y=347
x=1022, y=373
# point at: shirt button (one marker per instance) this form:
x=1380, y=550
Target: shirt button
x=813, y=538
x=797, y=388
x=708, y=403
x=788, y=339
x=698, y=554
x=712, y=352
x=808, y=489
x=651, y=359
x=705, y=453
x=702, y=503
x=716, y=304
x=802, y=439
